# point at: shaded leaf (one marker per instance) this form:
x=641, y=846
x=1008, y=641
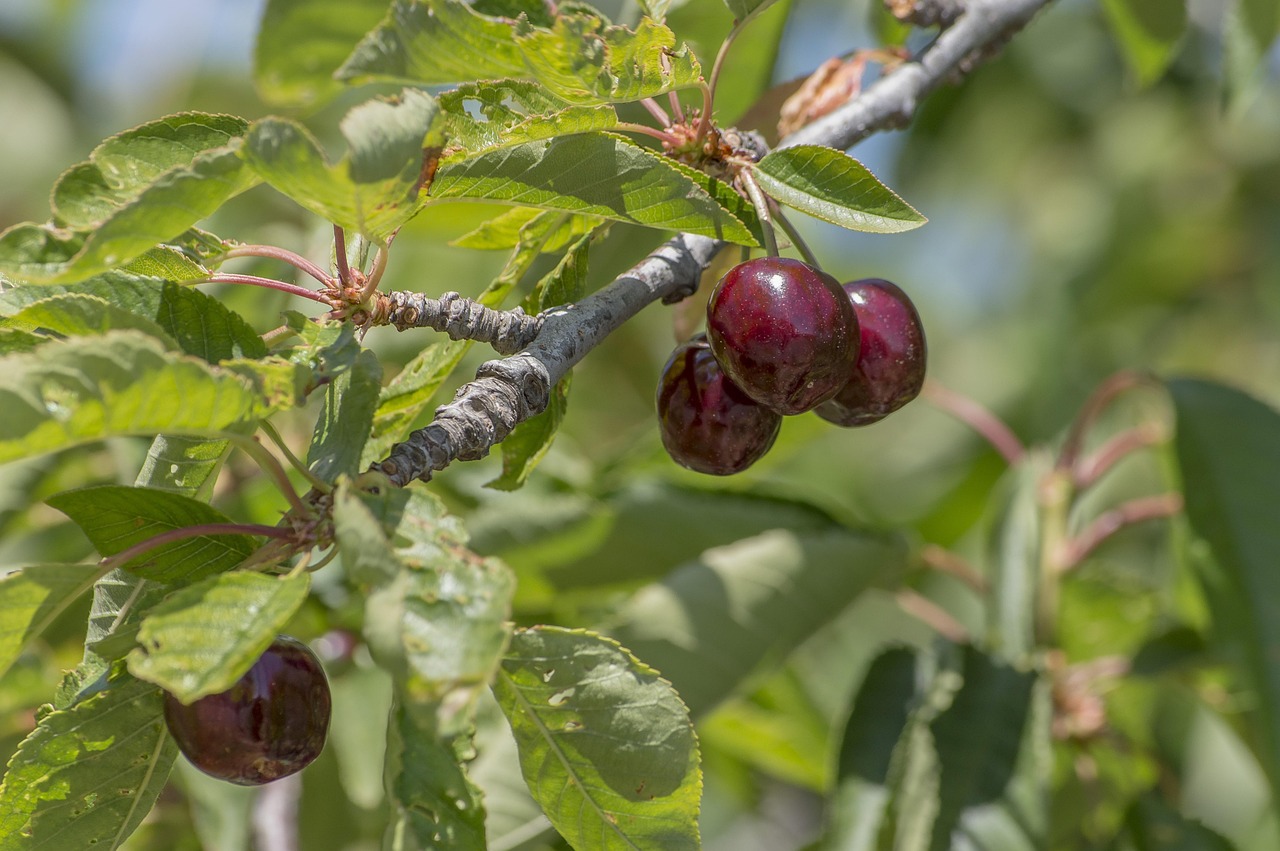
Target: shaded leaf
x=1148, y=32
x=346, y=419
x=500, y=113
x=76, y=315
x=54, y=795
x=711, y=624
x=594, y=174
x=1013, y=545
x=744, y=9
x=301, y=43
x=504, y=231
x=30, y=598
x=204, y=637
x=833, y=186
x=606, y=746
x=1231, y=487
x=1152, y=825
x=115, y=518
x=122, y=383
x=374, y=188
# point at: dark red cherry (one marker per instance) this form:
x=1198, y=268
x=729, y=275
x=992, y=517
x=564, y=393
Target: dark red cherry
x=707, y=423
x=784, y=332
x=270, y=724
x=891, y=357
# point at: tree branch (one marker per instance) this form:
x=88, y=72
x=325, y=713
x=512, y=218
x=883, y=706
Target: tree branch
x=511, y=390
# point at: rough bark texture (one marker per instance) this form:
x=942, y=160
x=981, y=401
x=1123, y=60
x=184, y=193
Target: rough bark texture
x=508, y=331
x=513, y=389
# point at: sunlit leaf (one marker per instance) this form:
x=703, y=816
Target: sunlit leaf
x=711, y=624
x=1148, y=32
x=122, y=383
x=374, y=188
x=204, y=637
x=115, y=518
x=833, y=186
x=301, y=43
x=346, y=419
x=504, y=231
x=593, y=174
x=606, y=746
x=30, y=598
x=511, y=112
x=88, y=775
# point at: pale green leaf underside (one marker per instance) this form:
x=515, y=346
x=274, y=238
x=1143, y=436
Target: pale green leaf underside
x=833, y=186
x=86, y=776
x=30, y=598
x=82, y=315
x=606, y=746
x=204, y=637
x=373, y=189
x=122, y=383
x=593, y=174
x=712, y=623
x=115, y=518
x=503, y=231
x=137, y=190
x=302, y=42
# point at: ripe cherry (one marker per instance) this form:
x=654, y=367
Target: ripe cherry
x=707, y=423
x=784, y=332
x=270, y=724
x=891, y=358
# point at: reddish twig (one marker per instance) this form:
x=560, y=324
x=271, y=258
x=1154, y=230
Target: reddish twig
x=276, y=253
x=978, y=418
x=1094, y=466
x=1076, y=549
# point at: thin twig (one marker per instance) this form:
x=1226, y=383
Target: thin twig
x=269, y=283
x=978, y=418
x=268, y=464
x=1095, y=465
x=928, y=612
x=1099, y=400
x=676, y=109
x=945, y=561
x=294, y=461
x=658, y=113
x=645, y=130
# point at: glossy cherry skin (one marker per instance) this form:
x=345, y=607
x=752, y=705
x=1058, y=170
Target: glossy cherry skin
x=784, y=332
x=707, y=423
x=891, y=356
x=270, y=724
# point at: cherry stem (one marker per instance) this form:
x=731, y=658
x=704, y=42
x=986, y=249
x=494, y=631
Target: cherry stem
x=1093, y=467
x=274, y=436
x=658, y=113
x=708, y=89
x=268, y=463
x=340, y=255
x=794, y=235
x=269, y=283
x=129, y=554
x=1098, y=401
x=761, y=203
x=276, y=253
x=945, y=561
x=662, y=135
x=978, y=418
x=375, y=274
x=930, y=613
x=1110, y=522
x=676, y=109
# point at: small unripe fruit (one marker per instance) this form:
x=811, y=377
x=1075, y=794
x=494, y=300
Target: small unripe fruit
x=891, y=356
x=784, y=331
x=270, y=724
x=707, y=423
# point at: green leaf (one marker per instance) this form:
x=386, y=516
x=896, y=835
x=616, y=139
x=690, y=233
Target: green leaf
x=594, y=174
x=138, y=189
x=745, y=9
x=979, y=742
x=860, y=800
x=1148, y=32
x=511, y=112
x=115, y=518
x=301, y=43
x=168, y=263
x=204, y=637
x=1013, y=544
x=374, y=189
x=31, y=597
x=656, y=9
x=1151, y=824
x=436, y=41
x=583, y=59
x=711, y=624
x=1228, y=451
x=504, y=230
x=1251, y=27
x=833, y=186
x=198, y=323
x=88, y=775
x=606, y=746
x=531, y=439
x=346, y=419
x=123, y=383
x=77, y=315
